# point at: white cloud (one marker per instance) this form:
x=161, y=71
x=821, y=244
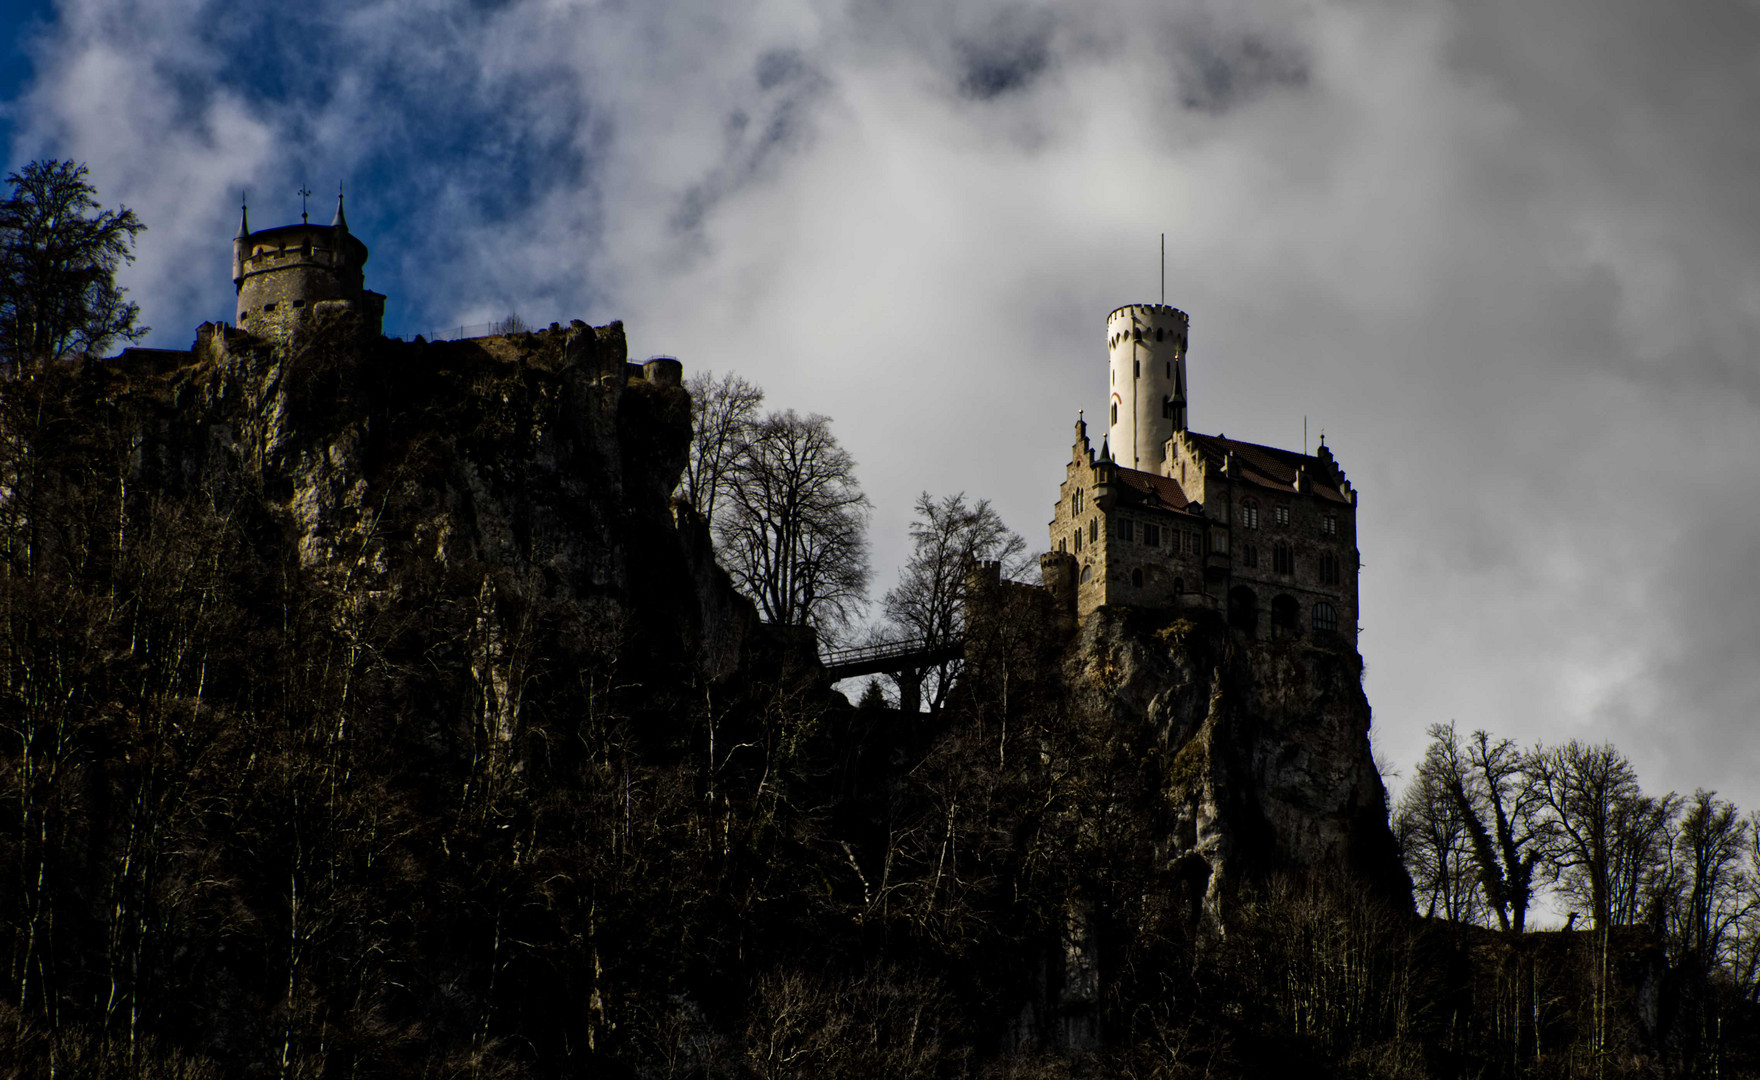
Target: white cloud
x=1503, y=253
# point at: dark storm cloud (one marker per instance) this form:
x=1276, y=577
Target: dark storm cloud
x=772, y=120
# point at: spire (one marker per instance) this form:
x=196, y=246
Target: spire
x=244, y=217
x=340, y=222
x=1105, y=451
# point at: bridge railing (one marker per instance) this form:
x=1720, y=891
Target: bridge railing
x=883, y=650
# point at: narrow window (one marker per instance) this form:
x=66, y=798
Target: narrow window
x=1126, y=530
x=1078, y=535
x=1075, y=502
x=1115, y=412
x=1283, y=515
x=1158, y=333
x=1283, y=558
x=1324, y=617
x=1249, y=555
x=1137, y=578
x=1137, y=368
x=1093, y=529
x=1329, y=525
x=1219, y=543
x=1152, y=535
x=1250, y=513
x=1328, y=569
x=1170, y=369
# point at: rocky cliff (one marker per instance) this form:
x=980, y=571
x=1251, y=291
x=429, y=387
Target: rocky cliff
x=366, y=708
x=1260, y=749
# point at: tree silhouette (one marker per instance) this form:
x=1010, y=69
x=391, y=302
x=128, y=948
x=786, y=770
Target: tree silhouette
x=58, y=262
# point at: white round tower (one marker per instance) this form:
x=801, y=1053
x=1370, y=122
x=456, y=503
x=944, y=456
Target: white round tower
x=1147, y=347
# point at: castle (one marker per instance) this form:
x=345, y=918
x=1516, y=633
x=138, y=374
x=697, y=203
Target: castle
x=1166, y=517
x=286, y=274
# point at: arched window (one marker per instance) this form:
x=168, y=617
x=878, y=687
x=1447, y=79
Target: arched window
x=1078, y=536
x=1076, y=501
x=1158, y=333
x=1137, y=578
x=1093, y=529
x=1283, y=558
x=1325, y=617
x=1250, y=513
x=1249, y=555
x=1282, y=515
x=1283, y=615
x=1087, y=574
x=1328, y=568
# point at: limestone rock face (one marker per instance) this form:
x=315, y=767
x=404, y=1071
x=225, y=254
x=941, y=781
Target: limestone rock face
x=530, y=469
x=1260, y=749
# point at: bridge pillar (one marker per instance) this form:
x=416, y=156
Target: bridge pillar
x=910, y=690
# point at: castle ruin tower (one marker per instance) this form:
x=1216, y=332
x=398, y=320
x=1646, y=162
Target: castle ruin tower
x=1146, y=344
x=286, y=274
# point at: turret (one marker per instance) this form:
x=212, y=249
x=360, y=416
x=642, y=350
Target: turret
x=1146, y=344
x=284, y=274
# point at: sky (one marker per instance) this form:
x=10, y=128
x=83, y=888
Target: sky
x=1506, y=255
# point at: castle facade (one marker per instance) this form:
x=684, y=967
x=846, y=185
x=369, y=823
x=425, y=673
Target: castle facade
x=1166, y=517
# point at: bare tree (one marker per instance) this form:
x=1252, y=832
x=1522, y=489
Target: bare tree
x=1501, y=805
x=722, y=414
x=58, y=262
x=1608, y=844
x=1744, y=961
x=1708, y=895
x=794, y=531
x=1433, y=835
x=1608, y=839
x=929, y=602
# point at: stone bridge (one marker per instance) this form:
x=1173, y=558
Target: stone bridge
x=903, y=660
